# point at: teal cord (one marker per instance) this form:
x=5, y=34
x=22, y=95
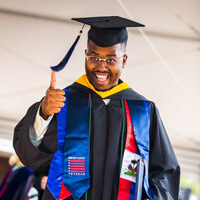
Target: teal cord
x=90, y=118
x=86, y=196
x=123, y=130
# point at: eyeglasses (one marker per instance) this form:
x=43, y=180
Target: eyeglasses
x=108, y=62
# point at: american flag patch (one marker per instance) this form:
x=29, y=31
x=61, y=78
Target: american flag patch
x=76, y=165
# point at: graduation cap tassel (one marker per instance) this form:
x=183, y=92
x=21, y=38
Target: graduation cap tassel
x=65, y=60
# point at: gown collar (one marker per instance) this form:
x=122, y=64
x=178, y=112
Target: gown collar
x=83, y=80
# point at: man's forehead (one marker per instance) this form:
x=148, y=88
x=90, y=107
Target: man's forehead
x=113, y=50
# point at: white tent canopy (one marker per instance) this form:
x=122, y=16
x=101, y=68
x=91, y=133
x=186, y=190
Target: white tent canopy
x=163, y=63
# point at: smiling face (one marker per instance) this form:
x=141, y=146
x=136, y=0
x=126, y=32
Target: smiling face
x=104, y=77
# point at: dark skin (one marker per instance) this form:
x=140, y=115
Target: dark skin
x=113, y=73
x=54, y=99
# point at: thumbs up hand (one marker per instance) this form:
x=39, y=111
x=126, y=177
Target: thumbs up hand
x=53, y=101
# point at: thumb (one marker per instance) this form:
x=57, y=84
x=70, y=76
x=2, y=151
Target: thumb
x=53, y=80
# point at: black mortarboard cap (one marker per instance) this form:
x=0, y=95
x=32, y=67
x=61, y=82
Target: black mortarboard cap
x=109, y=30
x=104, y=32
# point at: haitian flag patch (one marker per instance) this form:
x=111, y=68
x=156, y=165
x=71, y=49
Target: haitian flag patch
x=129, y=166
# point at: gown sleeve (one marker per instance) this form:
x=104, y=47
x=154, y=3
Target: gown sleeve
x=29, y=155
x=164, y=170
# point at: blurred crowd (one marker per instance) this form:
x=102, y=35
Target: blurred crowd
x=21, y=183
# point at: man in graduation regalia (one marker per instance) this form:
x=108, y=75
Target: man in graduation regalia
x=94, y=131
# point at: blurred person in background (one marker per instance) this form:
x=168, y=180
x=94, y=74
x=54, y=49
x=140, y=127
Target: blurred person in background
x=17, y=183
x=40, y=176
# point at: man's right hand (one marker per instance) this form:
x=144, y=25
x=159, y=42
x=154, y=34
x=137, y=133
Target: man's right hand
x=53, y=101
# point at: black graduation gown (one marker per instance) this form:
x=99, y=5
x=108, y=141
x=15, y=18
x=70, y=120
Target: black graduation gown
x=105, y=148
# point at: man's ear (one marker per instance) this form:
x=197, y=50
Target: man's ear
x=125, y=57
